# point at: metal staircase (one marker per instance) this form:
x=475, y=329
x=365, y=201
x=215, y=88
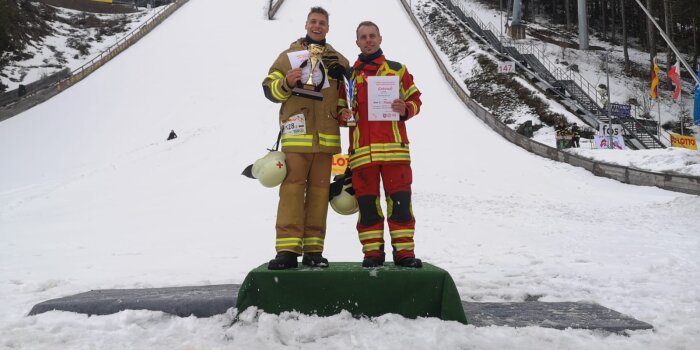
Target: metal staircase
x=585, y=94
x=582, y=97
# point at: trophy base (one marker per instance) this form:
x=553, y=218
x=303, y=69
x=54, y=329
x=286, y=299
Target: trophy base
x=312, y=94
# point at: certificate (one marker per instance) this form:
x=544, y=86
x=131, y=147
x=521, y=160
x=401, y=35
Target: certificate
x=381, y=91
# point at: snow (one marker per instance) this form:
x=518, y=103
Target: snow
x=54, y=53
x=93, y=197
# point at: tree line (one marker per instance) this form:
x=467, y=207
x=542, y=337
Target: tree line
x=622, y=22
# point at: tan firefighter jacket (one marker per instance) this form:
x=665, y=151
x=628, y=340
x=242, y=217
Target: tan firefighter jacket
x=322, y=131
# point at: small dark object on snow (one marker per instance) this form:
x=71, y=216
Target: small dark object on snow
x=172, y=135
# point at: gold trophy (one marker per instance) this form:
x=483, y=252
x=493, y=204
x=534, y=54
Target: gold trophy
x=309, y=89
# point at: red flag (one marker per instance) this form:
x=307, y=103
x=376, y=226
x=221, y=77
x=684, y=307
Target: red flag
x=675, y=75
x=655, y=81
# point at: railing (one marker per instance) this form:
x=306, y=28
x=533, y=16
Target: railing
x=273, y=7
x=90, y=66
x=557, y=72
x=672, y=182
x=110, y=51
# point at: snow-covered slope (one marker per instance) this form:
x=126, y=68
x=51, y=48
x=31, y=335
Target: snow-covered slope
x=92, y=196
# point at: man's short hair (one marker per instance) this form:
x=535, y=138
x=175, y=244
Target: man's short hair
x=368, y=24
x=317, y=9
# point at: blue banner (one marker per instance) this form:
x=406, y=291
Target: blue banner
x=696, y=118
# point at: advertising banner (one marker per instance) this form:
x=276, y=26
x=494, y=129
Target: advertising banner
x=620, y=110
x=681, y=141
x=603, y=142
x=610, y=129
x=339, y=164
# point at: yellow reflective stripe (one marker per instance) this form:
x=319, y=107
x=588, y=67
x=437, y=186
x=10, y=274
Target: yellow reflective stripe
x=275, y=75
x=329, y=140
x=342, y=102
x=371, y=234
x=276, y=91
x=288, y=242
x=313, y=241
x=356, y=138
x=388, y=157
x=359, y=162
x=388, y=147
x=371, y=246
x=404, y=246
x=415, y=107
x=402, y=233
x=397, y=134
x=410, y=91
x=360, y=156
x=297, y=140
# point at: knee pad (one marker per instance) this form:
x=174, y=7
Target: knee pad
x=401, y=207
x=369, y=213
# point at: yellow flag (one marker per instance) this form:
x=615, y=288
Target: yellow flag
x=655, y=81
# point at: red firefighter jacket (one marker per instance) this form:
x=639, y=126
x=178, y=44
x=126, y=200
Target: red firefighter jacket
x=373, y=142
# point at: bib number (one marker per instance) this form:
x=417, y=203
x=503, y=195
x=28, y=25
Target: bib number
x=295, y=125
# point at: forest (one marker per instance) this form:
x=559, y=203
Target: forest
x=623, y=23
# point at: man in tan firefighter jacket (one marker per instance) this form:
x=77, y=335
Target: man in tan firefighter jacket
x=379, y=149
x=310, y=137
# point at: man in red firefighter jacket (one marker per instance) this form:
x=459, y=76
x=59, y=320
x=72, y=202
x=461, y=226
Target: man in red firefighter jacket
x=379, y=149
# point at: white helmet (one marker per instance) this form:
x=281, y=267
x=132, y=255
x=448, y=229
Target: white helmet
x=345, y=203
x=271, y=169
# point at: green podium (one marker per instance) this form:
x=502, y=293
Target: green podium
x=424, y=292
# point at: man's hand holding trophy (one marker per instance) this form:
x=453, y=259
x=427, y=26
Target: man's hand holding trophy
x=311, y=72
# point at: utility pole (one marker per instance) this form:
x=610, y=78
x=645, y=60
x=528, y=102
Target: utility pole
x=582, y=25
x=607, y=108
x=517, y=29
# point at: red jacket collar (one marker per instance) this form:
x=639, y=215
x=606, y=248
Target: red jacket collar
x=373, y=66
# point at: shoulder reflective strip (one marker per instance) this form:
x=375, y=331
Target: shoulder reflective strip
x=395, y=129
x=371, y=246
x=371, y=234
x=404, y=246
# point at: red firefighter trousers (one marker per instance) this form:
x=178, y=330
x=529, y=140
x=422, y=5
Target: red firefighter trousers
x=396, y=179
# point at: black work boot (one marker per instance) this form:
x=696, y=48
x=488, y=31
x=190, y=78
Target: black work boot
x=283, y=261
x=373, y=261
x=314, y=260
x=409, y=262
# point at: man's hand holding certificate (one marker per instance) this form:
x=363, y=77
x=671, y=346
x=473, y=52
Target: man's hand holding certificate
x=382, y=92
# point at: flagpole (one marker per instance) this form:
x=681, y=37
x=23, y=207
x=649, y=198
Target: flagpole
x=668, y=41
x=658, y=104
